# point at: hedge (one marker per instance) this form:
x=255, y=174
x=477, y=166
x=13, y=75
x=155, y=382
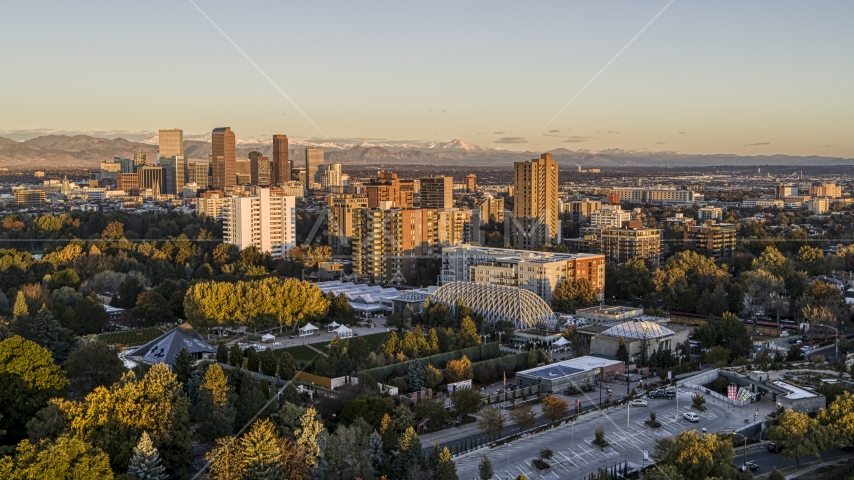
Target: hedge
x=440, y=360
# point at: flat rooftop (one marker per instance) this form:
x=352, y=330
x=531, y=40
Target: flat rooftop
x=569, y=367
x=795, y=393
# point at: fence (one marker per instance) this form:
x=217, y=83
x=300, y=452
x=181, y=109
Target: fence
x=697, y=382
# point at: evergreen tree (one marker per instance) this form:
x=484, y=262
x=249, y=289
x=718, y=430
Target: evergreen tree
x=261, y=458
x=214, y=410
x=622, y=352
x=250, y=399
x=319, y=471
x=185, y=365
x=447, y=469
x=20, y=309
x=287, y=369
x=46, y=331
x=307, y=437
x=235, y=356
x=433, y=458
x=377, y=453
x=415, y=376
x=222, y=354
x=485, y=469
x=253, y=361
x=467, y=336
x=410, y=453
x=145, y=463
x=268, y=362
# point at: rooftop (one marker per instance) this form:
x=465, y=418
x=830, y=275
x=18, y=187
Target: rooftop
x=795, y=393
x=569, y=367
x=638, y=329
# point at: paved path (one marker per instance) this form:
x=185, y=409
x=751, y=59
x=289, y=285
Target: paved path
x=310, y=346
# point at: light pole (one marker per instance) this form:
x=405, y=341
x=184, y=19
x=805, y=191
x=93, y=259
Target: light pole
x=628, y=415
x=744, y=450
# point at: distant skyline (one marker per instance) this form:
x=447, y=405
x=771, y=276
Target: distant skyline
x=748, y=78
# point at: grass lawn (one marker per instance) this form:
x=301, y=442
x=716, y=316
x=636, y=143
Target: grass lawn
x=305, y=355
x=131, y=337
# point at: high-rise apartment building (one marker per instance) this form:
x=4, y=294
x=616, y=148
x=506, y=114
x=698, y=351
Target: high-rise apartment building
x=621, y=244
x=330, y=175
x=127, y=182
x=341, y=219
x=437, y=192
x=388, y=241
x=580, y=210
x=491, y=209
x=198, y=172
x=313, y=160
x=718, y=239
x=264, y=221
x=454, y=226
x=471, y=183
x=710, y=213
x=223, y=158
x=386, y=187
x=538, y=272
x=610, y=216
x=259, y=169
x=151, y=177
x=535, y=203
x=174, y=174
x=212, y=205
x=281, y=167
x=170, y=142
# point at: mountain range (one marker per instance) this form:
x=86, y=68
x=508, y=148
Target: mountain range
x=85, y=151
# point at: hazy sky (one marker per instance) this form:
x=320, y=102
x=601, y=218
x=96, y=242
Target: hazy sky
x=755, y=77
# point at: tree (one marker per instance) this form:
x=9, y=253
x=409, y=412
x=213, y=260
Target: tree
x=214, y=409
x=554, y=408
x=253, y=361
x=633, y=279
x=466, y=401
x=222, y=354
x=776, y=475
x=145, y=463
x=410, y=453
x=48, y=424
x=28, y=379
x=129, y=290
x=572, y=294
x=226, y=459
x=622, y=352
x=92, y=365
x=261, y=457
x=64, y=459
x=64, y=278
x=718, y=355
x=491, y=421
x=432, y=376
x=152, y=308
x=800, y=435
x=307, y=436
x=268, y=362
x=235, y=356
x=467, y=335
x=21, y=309
x=370, y=409
x=484, y=469
x=458, y=370
x=185, y=365
x=47, y=332
x=839, y=418
x=447, y=469
x=415, y=376
x=523, y=415
x=698, y=457
x=287, y=369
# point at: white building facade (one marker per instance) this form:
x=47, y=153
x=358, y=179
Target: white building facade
x=264, y=221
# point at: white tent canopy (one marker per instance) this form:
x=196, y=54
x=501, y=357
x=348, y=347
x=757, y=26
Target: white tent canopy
x=307, y=330
x=268, y=338
x=332, y=326
x=343, y=332
x=560, y=342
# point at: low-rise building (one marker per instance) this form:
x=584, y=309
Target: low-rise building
x=578, y=372
x=641, y=337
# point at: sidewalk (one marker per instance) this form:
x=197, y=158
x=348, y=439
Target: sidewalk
x=817, y=466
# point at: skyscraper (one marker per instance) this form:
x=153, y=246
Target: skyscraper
x=259, y=169
x=313, y=159
x=151, y=176
x=471, y=183
x=138, y=160
x=437, y=192
x=535, y=202
x=265, y=221
x=171, y=142
x=281, y=168
x=330, y=175
x=174, y=174
x=223, y=158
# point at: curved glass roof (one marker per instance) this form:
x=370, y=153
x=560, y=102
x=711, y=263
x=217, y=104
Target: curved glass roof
x=498, y=302
x=638, y=330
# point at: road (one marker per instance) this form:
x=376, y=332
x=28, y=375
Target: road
x=576, y=457
x=767, y=461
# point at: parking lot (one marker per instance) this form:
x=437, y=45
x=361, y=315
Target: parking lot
x=575, y=456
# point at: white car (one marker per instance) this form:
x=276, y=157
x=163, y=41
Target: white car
x=639, y=402
x=691, y=417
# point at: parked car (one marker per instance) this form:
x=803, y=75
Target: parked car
x=691, y=417
x=774, y=448
x=662, y=394
x=639, y=402
x=750, y=464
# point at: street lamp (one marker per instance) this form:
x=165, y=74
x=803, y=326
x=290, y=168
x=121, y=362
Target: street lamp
x=744, y=450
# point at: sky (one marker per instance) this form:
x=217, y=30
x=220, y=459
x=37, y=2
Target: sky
x=754, y=78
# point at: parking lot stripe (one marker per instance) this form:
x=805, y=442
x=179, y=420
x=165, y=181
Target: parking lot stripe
x=568, y=459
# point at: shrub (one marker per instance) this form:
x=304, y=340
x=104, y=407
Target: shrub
x=698, y=402
x=600, y=438
x=652, y=422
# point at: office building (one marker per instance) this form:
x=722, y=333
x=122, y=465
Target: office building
x=537, y=272
x=313, y=160
x=170, y=142
x=471, y=183
x=762, y=203
x=109, y=170
x=292, y=188
x=657, y=196
x=613, y=198
x=138, y=160
x=621, y=244
x=126, y=165
x=491, y=209
x=151, y=177
x=610, y=216
x=784, y=190
x=826, y=190
x=127, y=182
x=580, y=210
x=211, y=204
x=330, y=175
x=437, y=192
x=386, y=187
x=388, y=241
x=718, y=239
x=535, y=204
x=341, y=219
x=280, y=170
x=710, y=213
x=198, y=173
x=223, y=158
x=264, y=221
x=818, y=206
x=29, y=198
x=174, y=174
x=259, y=169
